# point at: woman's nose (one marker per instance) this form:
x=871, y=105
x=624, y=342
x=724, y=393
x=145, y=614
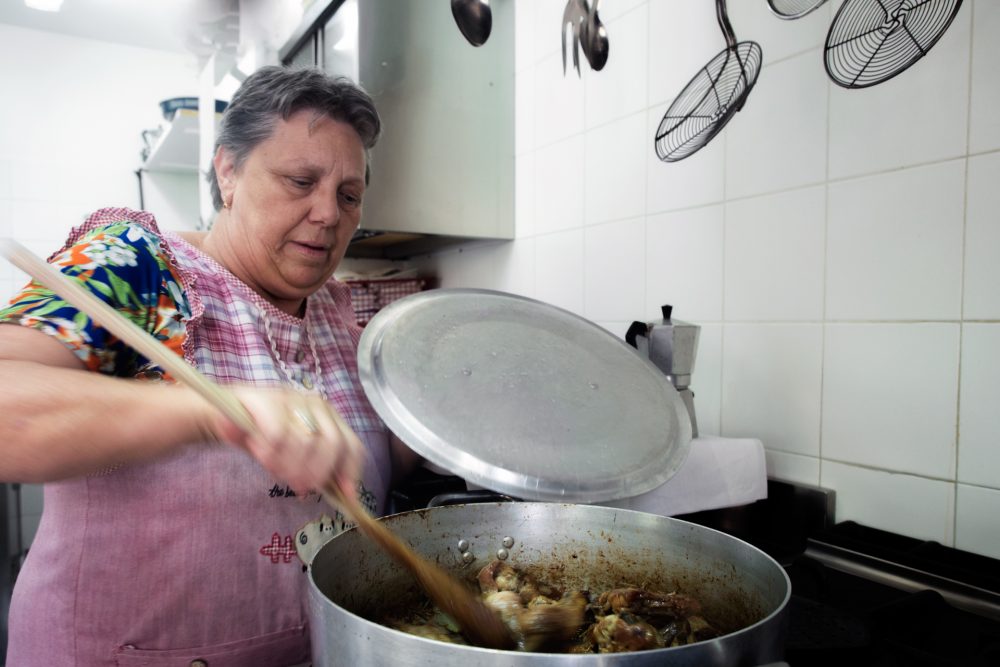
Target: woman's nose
x=325, y=207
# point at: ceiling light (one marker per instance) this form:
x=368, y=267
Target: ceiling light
x=44, y=5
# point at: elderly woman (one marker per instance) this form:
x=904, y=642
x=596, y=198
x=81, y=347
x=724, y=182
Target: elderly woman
x=162, y=542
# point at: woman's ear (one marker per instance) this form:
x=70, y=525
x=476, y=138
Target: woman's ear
x=225, y=172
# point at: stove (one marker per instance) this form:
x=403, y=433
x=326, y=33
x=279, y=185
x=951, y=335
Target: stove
x=861, y=597
x=866, y=597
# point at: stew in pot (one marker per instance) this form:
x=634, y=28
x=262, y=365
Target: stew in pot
x=542, y=617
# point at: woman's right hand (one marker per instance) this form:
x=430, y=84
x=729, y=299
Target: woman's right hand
x=301, y=439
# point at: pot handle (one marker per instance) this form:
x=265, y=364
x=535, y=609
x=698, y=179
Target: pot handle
x=467, y=497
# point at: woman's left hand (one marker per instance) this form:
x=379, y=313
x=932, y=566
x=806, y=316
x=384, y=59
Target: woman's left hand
x=301, y=439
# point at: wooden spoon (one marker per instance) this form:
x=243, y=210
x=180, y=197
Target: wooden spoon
x=480, y=624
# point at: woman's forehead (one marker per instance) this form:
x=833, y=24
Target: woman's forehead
x=312, y=138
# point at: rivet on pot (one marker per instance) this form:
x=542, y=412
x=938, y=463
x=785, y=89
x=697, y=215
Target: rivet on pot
x=502, y=554
x=463, y=545
x=468, y=557
x=508, y=542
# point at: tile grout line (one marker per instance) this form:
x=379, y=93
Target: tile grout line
x=826, y=267
x=961, y=307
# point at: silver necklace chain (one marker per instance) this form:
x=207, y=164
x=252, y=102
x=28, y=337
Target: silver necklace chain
x=317, y=376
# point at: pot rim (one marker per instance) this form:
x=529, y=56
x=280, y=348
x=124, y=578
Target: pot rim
x=774, y=616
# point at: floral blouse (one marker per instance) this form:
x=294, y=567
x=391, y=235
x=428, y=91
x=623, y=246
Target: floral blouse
x=122, y=264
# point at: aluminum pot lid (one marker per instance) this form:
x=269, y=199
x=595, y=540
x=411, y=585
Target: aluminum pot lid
x=522, y=397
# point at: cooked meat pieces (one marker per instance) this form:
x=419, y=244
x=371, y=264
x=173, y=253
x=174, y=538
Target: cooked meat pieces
x=620, y=634
x=543, y=618
x=542, y=623
x=642, y=602
x=498, y=576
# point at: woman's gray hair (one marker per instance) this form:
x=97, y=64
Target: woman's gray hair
x=278, y=92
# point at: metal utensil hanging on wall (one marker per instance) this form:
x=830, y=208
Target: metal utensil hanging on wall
x=474, y=19
x=589, y=35
x=871, y=41
x=793, y=9
x=711, y=98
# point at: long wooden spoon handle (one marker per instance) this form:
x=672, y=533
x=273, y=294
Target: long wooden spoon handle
x=127, y=331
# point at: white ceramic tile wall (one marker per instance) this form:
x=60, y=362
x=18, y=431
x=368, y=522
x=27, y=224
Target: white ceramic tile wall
x=778, y=140
x=559, y=192
x=984, y=121
x=489, y=265
x=6, y=270
x=611, y=10
x=682, y=38
x=524, y=38
x=982, y=238
x=546, y=19
x=979, y=444
x=615, y=194
x=890, y=396
x=894, y=248
x=559, y=101
x=771, y=376
x=774, y=256
x=977, y=528
x=559, y=269
x=915, y=506
x=829, y=241
x=5, y=181
x=616, y=291
x=684, y=255
x=779, y=38
x=524, y=195
x=792, y=467
x=612, y=93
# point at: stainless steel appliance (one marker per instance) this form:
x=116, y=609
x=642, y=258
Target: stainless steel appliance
x=672, y=346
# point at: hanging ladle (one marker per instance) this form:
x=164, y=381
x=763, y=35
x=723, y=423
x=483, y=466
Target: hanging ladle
x=589, y=35
x=480, y=624
x=711, y=98
x=474, y=19
x=594, y=39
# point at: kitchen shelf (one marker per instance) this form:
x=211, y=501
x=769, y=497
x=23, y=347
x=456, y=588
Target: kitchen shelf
x=177, y=148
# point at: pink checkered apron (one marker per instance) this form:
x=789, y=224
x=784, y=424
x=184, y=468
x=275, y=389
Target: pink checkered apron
x=192, y=558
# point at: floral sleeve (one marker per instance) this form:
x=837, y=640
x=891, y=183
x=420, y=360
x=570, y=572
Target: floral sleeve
x=122, y=264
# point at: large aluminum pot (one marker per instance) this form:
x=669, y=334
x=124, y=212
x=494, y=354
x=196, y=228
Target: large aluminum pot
x=589, y=547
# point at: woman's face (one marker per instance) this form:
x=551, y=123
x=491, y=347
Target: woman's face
x=295, y=204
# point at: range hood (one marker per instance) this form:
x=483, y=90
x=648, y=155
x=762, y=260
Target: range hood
x=443, y=170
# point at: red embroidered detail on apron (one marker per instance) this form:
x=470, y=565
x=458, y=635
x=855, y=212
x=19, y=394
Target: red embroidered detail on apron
x=279, y=550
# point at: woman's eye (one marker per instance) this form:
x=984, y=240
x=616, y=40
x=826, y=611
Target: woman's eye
x=350, y=199
x=300, y=182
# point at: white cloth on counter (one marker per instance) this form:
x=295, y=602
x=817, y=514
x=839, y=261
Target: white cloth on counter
x=718, y=472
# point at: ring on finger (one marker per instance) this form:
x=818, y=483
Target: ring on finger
x=307, y=419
